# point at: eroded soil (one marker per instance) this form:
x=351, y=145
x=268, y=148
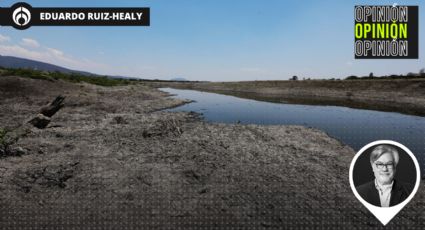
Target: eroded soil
x=112, y=159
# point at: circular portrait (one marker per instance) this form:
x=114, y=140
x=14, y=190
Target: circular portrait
x=384, y=173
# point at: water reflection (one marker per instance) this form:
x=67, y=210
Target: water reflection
x=354, y=127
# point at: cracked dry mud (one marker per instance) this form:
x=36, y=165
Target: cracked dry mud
x=112, y=159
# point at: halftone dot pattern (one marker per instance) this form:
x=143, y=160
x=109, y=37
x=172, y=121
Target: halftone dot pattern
x=245, y=177
x=354, y=127
x=288, y=211
x=306, y=203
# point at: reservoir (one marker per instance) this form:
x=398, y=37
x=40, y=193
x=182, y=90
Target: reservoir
x=354, y=127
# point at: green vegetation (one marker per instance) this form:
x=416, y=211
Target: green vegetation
x=71, y=77
x=7, y=139
x=294, y=78
x=419, y=75
x=3, y=133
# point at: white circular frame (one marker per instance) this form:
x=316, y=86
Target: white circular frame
x=385, y=214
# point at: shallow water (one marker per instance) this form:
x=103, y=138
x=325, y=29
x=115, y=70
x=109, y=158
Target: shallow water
x=354, y=127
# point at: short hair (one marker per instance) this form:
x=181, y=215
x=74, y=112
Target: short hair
x=380, y=150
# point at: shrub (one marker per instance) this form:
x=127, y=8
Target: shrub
x=352, y=77
x=4, y=143
x=71, y=77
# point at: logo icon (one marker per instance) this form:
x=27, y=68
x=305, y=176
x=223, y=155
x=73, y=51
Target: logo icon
x=21, y=15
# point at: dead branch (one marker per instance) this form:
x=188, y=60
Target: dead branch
x=53, y=106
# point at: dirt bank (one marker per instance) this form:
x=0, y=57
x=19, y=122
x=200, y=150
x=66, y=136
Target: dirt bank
x=405, y=96
x=112, y=159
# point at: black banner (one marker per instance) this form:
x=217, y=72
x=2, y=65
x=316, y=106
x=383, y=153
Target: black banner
x=22, y=16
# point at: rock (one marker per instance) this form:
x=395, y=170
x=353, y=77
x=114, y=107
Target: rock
x=203, y=190
x=40, y=121
x=19, y=151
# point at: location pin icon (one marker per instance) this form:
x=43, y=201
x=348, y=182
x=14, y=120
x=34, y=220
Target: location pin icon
x=394, y=175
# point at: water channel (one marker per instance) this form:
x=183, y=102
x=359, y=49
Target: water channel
x=354, y=127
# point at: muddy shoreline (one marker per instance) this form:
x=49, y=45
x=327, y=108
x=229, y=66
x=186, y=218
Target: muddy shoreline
x=403, y=96
x=111, y=158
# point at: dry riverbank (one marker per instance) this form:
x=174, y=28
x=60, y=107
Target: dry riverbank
x=405, y=96
x=112, y=159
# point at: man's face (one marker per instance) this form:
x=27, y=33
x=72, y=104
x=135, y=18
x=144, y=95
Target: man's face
x=384, y=169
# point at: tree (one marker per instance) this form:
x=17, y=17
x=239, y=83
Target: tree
x=371, y=75
x=294, y=78
x=352, y=77
x=422, y=72
x=410, y=74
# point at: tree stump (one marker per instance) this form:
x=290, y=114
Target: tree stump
x=43, y=118
x=53, y=106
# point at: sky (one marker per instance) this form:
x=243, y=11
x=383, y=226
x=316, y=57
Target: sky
x=212, y=40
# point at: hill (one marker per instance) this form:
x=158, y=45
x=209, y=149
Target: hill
x=16, y=62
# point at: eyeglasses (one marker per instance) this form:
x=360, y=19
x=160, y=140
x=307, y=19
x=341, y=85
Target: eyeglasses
x=380, y=165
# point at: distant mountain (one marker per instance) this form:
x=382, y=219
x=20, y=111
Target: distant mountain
x=178, y=79
x=15, y=62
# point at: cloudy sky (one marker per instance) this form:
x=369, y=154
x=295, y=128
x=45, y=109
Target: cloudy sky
x=214, y=40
